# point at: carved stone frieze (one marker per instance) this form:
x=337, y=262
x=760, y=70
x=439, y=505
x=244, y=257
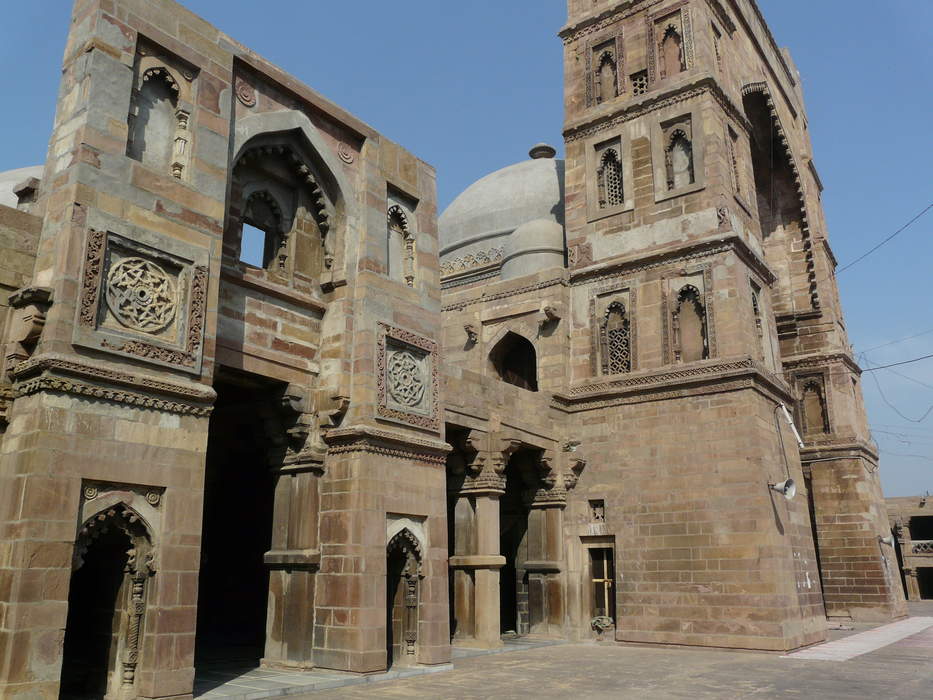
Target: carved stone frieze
x=141, y=295
x=354, y=439
x=406, y=378
x=656, y=102
x=58, y=373
x=140, y=301
x=478, y=259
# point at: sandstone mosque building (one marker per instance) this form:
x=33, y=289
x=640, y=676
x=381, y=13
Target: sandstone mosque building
x=555, y=410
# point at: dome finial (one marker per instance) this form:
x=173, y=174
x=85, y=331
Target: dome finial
x=542, y=150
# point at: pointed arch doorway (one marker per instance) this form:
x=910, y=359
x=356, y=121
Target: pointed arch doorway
x=403, y=584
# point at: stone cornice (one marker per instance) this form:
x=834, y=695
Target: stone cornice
x=592, y=24
x=55, y=372
x=482, y=296
x=655, y=100
x=846, y=448
x=709, y=376
x=388, y=443
x=703, y=249
x=819, y=360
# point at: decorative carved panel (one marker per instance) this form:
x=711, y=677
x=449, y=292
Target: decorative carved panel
x=141, y=301
x=406, y=378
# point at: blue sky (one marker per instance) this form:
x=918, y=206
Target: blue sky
x=469, y=87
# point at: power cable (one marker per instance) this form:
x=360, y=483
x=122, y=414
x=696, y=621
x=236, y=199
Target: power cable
x=899, y=340
x=897, y=364
x=892, y=406
x=901, y=229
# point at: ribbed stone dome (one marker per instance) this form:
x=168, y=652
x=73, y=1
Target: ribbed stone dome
x=482, y=217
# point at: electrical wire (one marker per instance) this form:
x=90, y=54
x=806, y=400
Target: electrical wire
x=893, y=407
x=901, y=229
x=899, y=340
x=897, y=364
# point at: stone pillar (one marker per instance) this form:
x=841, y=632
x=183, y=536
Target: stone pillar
x=546, y=590
x=293, y=562
x=913, y=585
x=476, y=574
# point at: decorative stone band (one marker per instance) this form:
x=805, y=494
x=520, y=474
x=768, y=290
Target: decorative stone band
x=818, y=361
x=706, y=85
x=391, y=377
x=54, y=372
x=480, y=298
x=365, y=439
x=841, y=449
x=703, y=377
x=628, y=266
x=472, y=261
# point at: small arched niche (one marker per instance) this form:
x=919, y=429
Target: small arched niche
x=515, y=361
x=153, y=119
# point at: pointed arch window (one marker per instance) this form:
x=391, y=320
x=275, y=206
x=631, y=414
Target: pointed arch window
x=679, y=161
x=606, y=78
x=609, y=178
x=690, y=331
x=400, y=247
x=616, y=340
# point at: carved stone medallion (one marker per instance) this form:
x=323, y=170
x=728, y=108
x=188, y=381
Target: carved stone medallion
x=406, y=378
x=141, y=295
x=345, y=153
x=245, y=93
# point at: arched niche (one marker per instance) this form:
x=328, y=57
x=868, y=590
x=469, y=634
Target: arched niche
x=404, y=559
x=112, y=564
x=690, y=332
x=515, y=361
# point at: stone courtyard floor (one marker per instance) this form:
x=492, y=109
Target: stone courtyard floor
x=890, y=662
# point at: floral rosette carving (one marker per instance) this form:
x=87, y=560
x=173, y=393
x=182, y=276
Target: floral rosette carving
x=141, y=295
x=406, y=379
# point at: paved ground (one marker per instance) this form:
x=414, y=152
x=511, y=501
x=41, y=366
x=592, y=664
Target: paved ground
x=902, y=670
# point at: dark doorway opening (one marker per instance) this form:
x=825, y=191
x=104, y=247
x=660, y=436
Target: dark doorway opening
x=513, y=545
x=925, y=581
x=395, y=607
x=233, y=586
x=96, y=604
x=921, y=527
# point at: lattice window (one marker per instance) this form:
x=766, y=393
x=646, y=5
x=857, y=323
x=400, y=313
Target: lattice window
x=610, y=180
x=617, y=340
x=639, y=82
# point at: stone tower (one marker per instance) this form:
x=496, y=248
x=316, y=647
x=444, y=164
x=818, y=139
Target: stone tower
x=703, y=300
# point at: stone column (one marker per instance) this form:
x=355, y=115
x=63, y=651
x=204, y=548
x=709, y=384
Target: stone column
x=546, y=593
x=476, y=575
x=293, y=562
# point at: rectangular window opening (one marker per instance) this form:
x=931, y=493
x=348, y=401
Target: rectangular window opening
x=252, y=246
x=602, y=575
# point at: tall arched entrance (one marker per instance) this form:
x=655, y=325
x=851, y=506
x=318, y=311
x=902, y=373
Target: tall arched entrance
x=106, y=605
